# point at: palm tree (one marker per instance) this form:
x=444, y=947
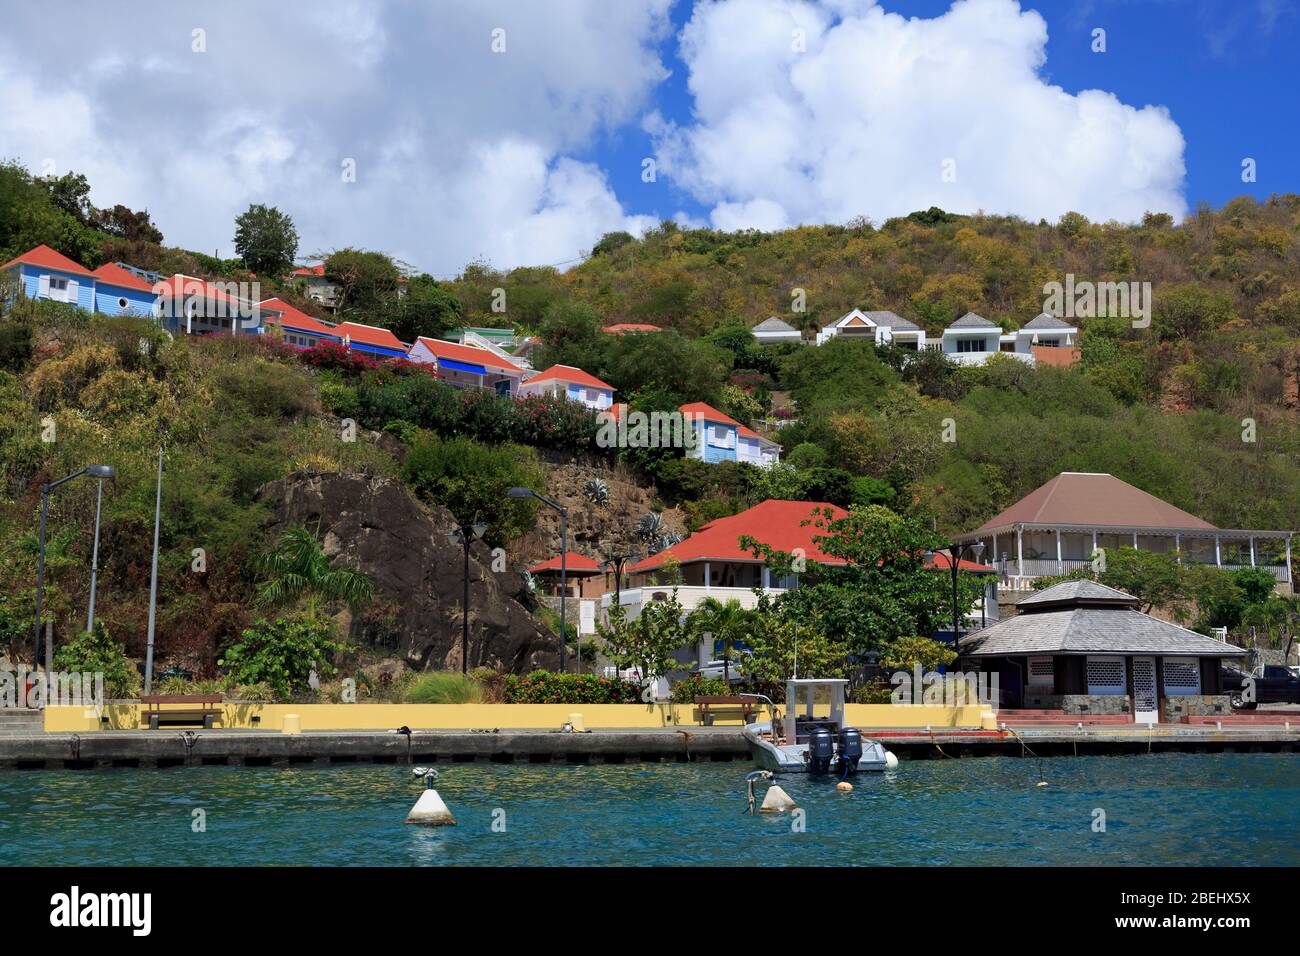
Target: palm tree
x=725, y=623
x=298, y=569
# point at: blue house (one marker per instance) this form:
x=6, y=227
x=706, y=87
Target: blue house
x=120, y=292
x=43, y=273
x=719, y=437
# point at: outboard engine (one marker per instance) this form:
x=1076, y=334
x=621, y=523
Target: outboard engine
x=850, y=750
x=821, y=748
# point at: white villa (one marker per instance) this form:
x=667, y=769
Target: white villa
x=882, y=328
x=1058, y=527
x=774, y=331
x=972, y=339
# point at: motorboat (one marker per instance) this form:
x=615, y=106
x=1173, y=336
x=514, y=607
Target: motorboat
x=805, y=741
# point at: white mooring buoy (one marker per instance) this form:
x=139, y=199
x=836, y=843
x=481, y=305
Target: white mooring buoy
x=777, y=800
x=430, y=808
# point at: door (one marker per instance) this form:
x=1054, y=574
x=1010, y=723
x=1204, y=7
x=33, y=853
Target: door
x=1146, y=705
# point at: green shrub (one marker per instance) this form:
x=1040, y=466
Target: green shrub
x=444, y=687
x=685, y=691
x=95, y=652
x=547, y=687
x=282, y=653
x=339, y=399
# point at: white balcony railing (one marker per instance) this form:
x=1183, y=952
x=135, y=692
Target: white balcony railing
x=1044, y=567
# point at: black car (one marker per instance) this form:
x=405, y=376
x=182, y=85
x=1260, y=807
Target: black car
x=1268, y=685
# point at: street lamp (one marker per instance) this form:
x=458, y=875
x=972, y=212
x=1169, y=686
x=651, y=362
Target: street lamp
x=465, y=534
x=956, y=554
x=95, y=471
x=564, y=559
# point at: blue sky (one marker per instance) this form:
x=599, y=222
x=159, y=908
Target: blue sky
x=1224, y=68
x=758, y=113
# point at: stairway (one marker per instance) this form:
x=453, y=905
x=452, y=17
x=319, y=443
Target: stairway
x=20, y=723
x=1057, y=718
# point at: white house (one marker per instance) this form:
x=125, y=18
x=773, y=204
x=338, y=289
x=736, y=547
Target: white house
x=571, y=383
x=773, y=331
x=883, y=328
x=972, y=339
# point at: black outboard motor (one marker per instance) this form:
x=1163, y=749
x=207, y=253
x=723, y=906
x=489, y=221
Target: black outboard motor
x=821, y=747
x=850, y=750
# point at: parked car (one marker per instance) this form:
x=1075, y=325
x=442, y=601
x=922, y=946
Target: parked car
x=715, y=669
x=1267, y=685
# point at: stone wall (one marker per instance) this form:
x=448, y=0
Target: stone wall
x=1200, y=705
x=1080, y=703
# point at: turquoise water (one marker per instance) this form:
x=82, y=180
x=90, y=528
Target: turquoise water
x=1163, y=809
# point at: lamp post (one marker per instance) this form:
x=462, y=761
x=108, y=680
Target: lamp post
x=464, y=535
x=956, y=553
x=564, y=559
x=95, y=471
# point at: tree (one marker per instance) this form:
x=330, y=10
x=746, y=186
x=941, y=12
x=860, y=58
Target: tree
x=125, y=223
x=283, y=653
x=1155, y=579
x=648, y=641
x=785, y=644
x=427, y=310
x=366, y=280
x=724, y=624
x=884, y=591
x=71, y=193
x=266, y=239
x=471, y=480
x=297, y=569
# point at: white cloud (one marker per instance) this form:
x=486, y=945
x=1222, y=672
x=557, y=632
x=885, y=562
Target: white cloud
x=460, y=152
x=815, y=112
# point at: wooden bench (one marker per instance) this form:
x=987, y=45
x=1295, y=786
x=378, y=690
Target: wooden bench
x=710, y=707
x=195, y=708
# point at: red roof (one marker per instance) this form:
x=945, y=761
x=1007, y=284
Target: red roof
x=115, y=275
x=466, y=353
x=709, y=413
x=567, y=373
x=778, y=524
x=180, y=286
x=621, y=327
x=368, y=335
x=293, y=317
x=775, y=522
x=574, y=563
x=310, y=270
x=47, y=258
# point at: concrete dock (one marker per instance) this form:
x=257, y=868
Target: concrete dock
x=198, y=747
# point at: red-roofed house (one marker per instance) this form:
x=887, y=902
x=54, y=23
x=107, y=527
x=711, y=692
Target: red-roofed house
x=572, y=383
x=297, y=327
x=720, y=437
x=585, y=576
x=201, y=307
x=623, y=328
x=43, y=273
x=466, y=366
x=1058, y=527
x=712, y=562
x=119, y=291
x=317, y=287
x=370, y=339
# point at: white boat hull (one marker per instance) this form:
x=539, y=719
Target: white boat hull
x=792, y=758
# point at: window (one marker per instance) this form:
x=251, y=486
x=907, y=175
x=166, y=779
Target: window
x=1182, y=677
x=122, y=303
x=1049, y=343
x=1041, y=672
x=1106, y=676
x=58, y=285
x=971, y=345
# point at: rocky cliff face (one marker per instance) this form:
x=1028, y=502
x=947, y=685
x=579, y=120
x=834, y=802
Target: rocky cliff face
x=594, y=529
x=374, y=526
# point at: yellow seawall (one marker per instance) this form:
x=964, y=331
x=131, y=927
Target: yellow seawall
x=309, y=717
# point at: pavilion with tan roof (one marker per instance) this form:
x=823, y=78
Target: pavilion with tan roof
x=1058, y=527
